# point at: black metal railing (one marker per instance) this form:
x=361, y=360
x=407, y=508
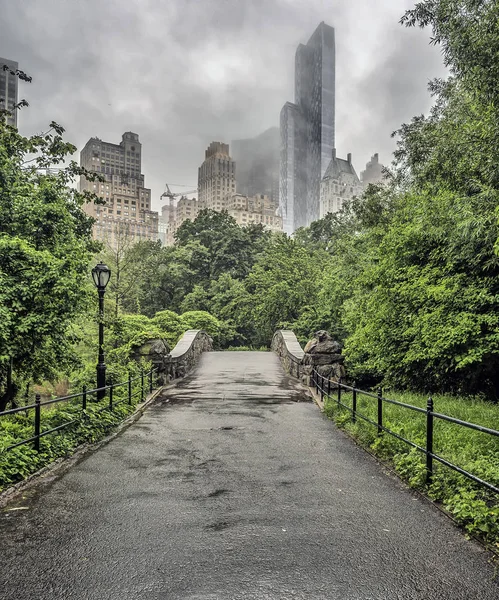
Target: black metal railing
x=324, y=387
x=140, y=382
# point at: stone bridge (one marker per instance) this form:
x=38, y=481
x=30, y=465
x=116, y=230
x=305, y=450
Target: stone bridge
x=233, y=485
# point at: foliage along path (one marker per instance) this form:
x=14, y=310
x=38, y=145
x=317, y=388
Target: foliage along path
x=232, y=486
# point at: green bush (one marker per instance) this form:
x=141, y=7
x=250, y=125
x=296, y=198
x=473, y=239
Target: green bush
x=172, y=325
x=91, y=425
x=221, y=332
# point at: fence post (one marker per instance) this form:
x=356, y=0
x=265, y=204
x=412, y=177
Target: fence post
x=354, y=403
x=329, y=386
x=84, y=398
x=129, y=389
x=37, y=423
x=429, y=441
x=380, y=411
x=339, y=391
x=150, y=381
x=322, y=388
x=142, y=385
x=111, y=398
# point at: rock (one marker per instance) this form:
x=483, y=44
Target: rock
x=310, y=344
x=326, y=347
x=325, y=370
x=322, y=359
x=339, y=371
x=322, y=335
x=155, y=350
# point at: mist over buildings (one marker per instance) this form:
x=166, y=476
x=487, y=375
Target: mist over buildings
x=184, y=73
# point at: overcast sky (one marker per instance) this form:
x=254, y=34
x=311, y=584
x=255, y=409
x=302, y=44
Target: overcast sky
x=182, y=73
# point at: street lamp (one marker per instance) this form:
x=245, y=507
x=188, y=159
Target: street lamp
x=101, y=274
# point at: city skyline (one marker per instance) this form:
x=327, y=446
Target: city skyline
x=213, y=87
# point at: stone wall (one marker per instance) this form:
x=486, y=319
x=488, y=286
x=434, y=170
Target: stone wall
x=178, y=362
x=321, y=353
x=287, y=347
x=187, y=352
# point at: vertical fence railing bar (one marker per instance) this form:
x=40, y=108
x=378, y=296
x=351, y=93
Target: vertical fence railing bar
x=38, y=416
x=380, y=411
x=84, y=395
x=329, y=386
x=431, y=415
x=429, y=441
x=322, y=388
x=354, y=403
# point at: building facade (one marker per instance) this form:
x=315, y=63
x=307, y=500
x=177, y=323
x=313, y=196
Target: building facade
x=257, y=161
x=8, y=89
x=173, y=215
x=308, y=130
x=127, y=202
x=373, y=172
x=340, y=183
x=259, y=210
x=216, y=177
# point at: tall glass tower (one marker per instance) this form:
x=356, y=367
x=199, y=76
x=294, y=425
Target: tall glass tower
x=8, y=89
x=307, y=130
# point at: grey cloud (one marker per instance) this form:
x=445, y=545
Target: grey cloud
x=182, y=73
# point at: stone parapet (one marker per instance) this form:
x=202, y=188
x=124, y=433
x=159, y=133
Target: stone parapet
x=322, y=353
x=187, y=352
x=287, y=347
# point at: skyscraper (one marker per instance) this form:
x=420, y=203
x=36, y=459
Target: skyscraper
x=373, y=172
x=257, y=161
x=8, y=89
x=127, y=203
x=307, y=130
x=216, y=177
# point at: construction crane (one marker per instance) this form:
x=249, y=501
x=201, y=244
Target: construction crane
x=169, y=194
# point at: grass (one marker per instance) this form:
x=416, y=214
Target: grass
x=474, y=507
x=91, y=425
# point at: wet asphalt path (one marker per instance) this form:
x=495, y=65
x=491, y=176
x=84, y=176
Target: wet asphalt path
x=229, y=488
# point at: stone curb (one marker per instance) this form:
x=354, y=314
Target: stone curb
x=61, y=465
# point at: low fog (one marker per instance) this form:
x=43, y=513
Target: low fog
x=185, y=72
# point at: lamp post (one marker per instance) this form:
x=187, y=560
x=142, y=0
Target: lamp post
x=101, y=274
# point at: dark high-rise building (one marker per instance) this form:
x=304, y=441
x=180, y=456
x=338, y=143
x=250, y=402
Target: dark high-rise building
x=307, y=130
x=8, y=89
x=257, y=161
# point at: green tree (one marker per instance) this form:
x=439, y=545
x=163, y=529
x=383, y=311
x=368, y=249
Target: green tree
x=283, y=283
x=45, y=250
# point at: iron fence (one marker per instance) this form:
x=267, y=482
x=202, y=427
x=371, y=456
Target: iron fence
x=324, y=387
x=139, y=382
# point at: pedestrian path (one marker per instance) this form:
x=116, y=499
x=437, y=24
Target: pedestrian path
x=233, y=486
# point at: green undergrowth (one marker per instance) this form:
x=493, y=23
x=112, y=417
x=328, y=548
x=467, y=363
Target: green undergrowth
x=90, y=426
x=471, y=505
x=247, y=349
